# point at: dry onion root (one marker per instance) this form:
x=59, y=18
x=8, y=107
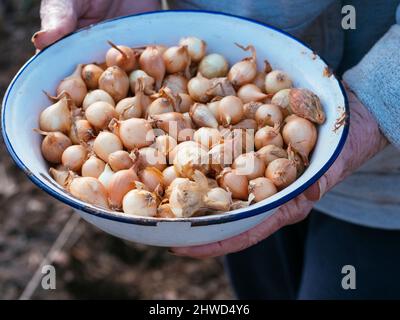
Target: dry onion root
x=174, y=132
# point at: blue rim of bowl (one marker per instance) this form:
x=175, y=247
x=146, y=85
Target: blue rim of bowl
x=195, y=221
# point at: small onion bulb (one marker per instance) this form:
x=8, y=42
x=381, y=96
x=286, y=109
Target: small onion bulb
x=121, y=56
x=268, y=135
x=250, y=92
x=208, y=137
x=148, y=82
x=213, y=65
x=277, y=80
x=218, y=199
x=81, y=131
x=250, y=165
x=56, y=117
x=91, y=74
x=169, y=175
x=120, y=160
x=73, y=157
x=114, y=81
x=151, y=177
x=282, y=172
x=135, y=133
x=261, y=188
x=74, y=86
x=105, y=144
x=53, y=146
x=281, y=99
x=105, y=176
x=271, y=152
x=301, y=135
x=140, y=203
x=176, y=59
x=230, y=110
x=176, y=82
x=89, y=189
x=93, y=167
x=97, y=95
x=165, y=144
x=151, y=157
x=186, y=102
x=268, y=115
x=196, y=47
x=235, y=183
x=151, y=61
x=190, y=159
x=198, y=88
x=130, y=107
x=99, y=114
x=119, y=185
x=202, y=116
x=244, y=71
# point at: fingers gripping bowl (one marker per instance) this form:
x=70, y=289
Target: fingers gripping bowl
x=24, y=101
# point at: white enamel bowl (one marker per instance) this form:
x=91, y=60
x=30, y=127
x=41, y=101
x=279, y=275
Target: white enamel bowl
x=24, y=100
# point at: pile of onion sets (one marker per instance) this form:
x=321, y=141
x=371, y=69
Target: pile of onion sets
x=177, y=131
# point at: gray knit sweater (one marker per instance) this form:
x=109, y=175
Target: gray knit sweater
x=369, y=57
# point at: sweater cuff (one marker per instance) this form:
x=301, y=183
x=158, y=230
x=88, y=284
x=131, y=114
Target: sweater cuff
x=376, y=82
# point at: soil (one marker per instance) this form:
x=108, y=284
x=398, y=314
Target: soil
x=92, y=264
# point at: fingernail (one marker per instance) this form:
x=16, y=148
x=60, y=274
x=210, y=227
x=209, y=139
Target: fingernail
x=172, y=252
x=36, y=34
x=322, y=188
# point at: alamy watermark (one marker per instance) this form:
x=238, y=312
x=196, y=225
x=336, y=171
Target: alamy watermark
x=49, y=277
x=349, y=18
x=349, y=280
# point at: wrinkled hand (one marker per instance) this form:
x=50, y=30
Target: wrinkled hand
x=60, y=17
x=363, y=142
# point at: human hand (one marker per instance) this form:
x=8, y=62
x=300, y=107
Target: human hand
x=364, y=141
x=60, y=17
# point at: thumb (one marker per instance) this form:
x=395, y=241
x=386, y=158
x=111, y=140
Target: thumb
x=59, y=17
x=317, y=190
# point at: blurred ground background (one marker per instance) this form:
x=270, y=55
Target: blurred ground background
x=91, y=264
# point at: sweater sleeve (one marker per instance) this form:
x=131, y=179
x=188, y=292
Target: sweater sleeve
x=376, y=82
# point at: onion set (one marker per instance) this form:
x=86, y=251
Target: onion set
x=177, y=132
